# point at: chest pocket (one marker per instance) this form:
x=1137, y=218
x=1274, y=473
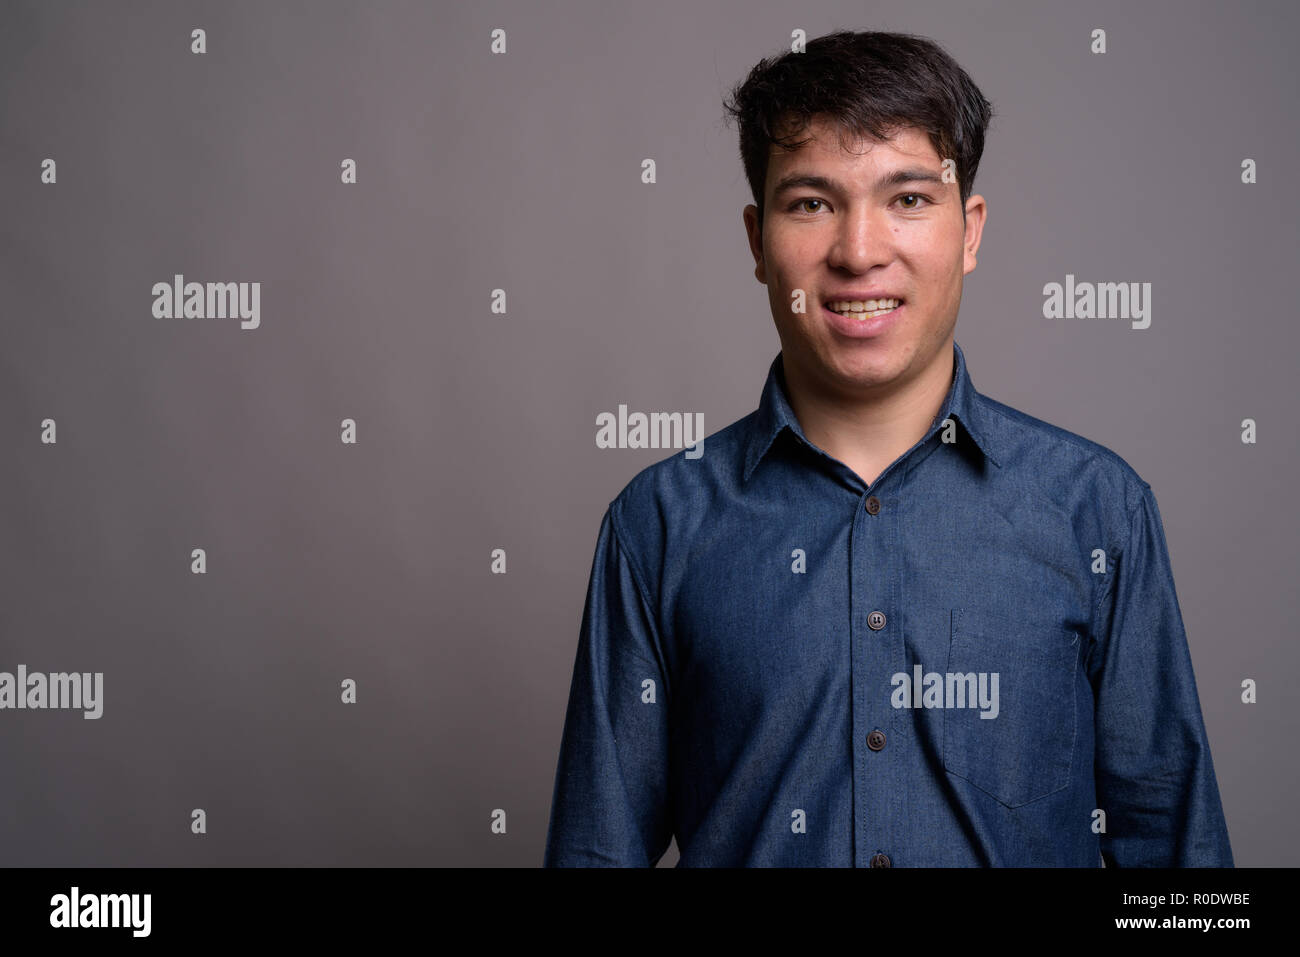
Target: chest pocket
x=1024, y=752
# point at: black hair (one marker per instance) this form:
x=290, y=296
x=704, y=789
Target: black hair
x=869, y=85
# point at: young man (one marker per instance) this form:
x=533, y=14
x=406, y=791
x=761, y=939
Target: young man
x=884, y=620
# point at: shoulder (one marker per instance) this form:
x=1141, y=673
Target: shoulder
x=667, y=501
x=1079, y=475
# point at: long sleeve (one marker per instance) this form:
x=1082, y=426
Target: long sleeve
x=1155, y=779
x=610, y=803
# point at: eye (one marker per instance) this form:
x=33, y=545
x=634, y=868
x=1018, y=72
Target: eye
x=914, y=196
x=799, y=202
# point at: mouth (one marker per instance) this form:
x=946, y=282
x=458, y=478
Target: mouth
x=863, y=309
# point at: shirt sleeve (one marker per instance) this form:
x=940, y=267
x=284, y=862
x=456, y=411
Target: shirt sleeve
x=1155, y=779
x=610, y=802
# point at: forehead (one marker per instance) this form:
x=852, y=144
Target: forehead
x=827, y=141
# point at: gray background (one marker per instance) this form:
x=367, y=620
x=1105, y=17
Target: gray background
x=522, y=171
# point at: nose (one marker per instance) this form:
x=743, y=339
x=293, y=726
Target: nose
x=862, y=239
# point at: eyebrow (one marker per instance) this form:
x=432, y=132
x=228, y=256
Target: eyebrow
x=898, y=177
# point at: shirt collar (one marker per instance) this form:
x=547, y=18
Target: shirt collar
x=775, y=414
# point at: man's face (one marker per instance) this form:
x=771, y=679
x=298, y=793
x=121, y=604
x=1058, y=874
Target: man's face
x=883, y=223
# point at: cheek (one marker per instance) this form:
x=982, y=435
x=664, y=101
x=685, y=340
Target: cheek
x=793, y=270
x=936, y=264
x=793, y=250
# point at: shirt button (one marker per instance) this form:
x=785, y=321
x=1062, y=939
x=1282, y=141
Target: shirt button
x=880, y=860
x=876, y=620
x=873, y=505
x=876, y=740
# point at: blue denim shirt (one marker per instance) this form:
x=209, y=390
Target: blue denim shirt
x=978, y=659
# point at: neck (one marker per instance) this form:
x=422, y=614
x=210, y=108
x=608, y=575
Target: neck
x=868, y=430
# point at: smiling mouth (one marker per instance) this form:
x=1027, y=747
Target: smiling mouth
x=862, y=311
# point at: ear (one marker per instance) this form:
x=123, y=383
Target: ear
x=754, y=232
x=976, y=213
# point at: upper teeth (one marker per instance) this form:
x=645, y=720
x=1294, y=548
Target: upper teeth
x=859, y=305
